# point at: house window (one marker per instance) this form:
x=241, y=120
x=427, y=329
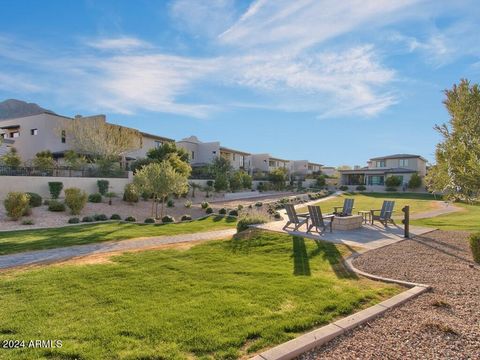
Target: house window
x=64, y=137
x=271, y=163
x=158, y=143
x=380, y=163
x=33, y=131
x=403, y=163
x=375, y=180
x=233, y=157
x=14, y=134
x=214, y=152
x=193, y=155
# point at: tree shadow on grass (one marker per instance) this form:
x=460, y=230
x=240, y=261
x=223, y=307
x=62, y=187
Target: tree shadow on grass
x=301, y=261
x=329, y=252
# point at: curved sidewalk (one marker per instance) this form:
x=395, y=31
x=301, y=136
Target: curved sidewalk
x=65, y=253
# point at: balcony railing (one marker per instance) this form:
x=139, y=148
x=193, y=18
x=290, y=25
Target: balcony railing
x=62, y=172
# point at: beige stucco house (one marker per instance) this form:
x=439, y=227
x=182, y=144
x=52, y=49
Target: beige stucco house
x=265, y=163
x=304, y=168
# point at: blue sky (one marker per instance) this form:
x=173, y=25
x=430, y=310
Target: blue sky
x=335, y=82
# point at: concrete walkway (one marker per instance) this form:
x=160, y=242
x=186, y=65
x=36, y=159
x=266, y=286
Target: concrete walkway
x=61, y=254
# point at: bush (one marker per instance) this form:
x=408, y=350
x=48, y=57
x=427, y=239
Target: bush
x=170, y=203
x=222, y=211
x=390, y=188
x=343, y=187
x=361, y=188
x=168, y=219
x=188, y=204
x=210, y=183
x=95, y=198
x=73, y=220
x=240, y=207
x=46, y=202
x=149, y=221
x=186, y=218
x=130, y=219
x=393, y=181
x=244, y=223
x=475, y=246
x=103, y=186
x=208, y=210
x=56, y=206
x=28, y=222
x=75, y=199
x=277, y=216
x=205, y=205
x=259, y=204
x=87, y=219
x=35, y=199
x=55, y=188
x=130, y=194
x=233, y=213
x=415, y=181
x=100, y=217
x=115, y=217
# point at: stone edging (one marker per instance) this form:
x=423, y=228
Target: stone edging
x=320, y=336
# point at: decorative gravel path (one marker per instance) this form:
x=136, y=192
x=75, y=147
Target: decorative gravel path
x=61, y=254
x=441, y=324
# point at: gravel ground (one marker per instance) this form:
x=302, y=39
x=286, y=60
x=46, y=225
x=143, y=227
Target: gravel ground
x=441, y=324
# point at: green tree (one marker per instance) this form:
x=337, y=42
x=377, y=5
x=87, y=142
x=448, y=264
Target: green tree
x=393, y=181
x=161, y=180
x=415, y=181
x=75, y=161
x=236, y=181
x=194, y=186
x=320, y=181
x=457, y=170
x=176, y=156
x=221, y=182
x=246, y=180
x=220, y=166
x=278, y=177
x=12, y=159
x=44, y=160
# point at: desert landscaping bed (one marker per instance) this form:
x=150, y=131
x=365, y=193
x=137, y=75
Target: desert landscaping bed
x=441, y=324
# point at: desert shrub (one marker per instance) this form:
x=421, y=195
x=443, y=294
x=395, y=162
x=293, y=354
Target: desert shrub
x=56, y=206
x=75, y=199
x=221, y=183
x=186, y=218
x=415, y=181
x=170, y=203
x=35, y=199
x=115, y=217
x=390, y=188
x=188, y=204
x=475, y=246
x=168, y=219
x=28, y=222
x=343, y=187
x=103, y=186
x=95, y=198
x=277, y=216
x=210, y=183
x=208, y=210
x=259, y=204
x=100, y=217
x=205, y=205
x=393, y=181
x=361, y=188
x=46, y=202
x=55, y=188
x=73, y=220
x=130, y=194
x=130, y=219
x=146, y=196
x=149, y=221
x=240, y=207
x=87, y=219
x=222, y=211
x=233, y=213
x=244, y=222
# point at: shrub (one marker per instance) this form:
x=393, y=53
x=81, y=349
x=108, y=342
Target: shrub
x=186, y=218
x=100, y=217
x=221, y=183
x=208, y=210
x=115, y=217
x=233, y=213
x=475, y=246
x=244, y=223
x=130, y=194
x=145, y=196
x=103, y=186
x=393, y=181
x=205, y=205
x=361, y=188
x=259, y=204
x=55, y=188
x=75, y=199
x=222, y=211
x=73, y=220
x=240, y=207
x=188, y=204
x=56, y=206
x=28, y=222
x=170, y=203
x=210, y=183
x=343, y=187
x=149, y=221
x=28, y=211
x=130, y=219
x=46, y=202
x=35, y=199
x=277, y=216
x=95, y=198
x=390, y=188
x=168, y=219
x=87, y=219
x=415, y=181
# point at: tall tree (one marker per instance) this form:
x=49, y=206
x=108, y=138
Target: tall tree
x=457, y=169
x=176, y=156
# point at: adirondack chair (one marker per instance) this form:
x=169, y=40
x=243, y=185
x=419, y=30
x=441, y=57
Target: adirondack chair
x=385, y=215
x=318, y=221
x=293, y=218
x=347, y=208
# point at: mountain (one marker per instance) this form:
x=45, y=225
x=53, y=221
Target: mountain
x=13, y=108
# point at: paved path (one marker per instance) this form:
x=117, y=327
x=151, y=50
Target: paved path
x=65, y=253
x=444, y=208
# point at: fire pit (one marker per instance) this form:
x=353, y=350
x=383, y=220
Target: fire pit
x=347, y=222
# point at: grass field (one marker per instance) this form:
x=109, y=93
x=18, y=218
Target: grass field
x=40, y=239
x=220, y=299
x=366, y=201
x=468, y=219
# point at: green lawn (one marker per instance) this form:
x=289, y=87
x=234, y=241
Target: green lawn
x=220, y=299
x=468, y=219
x=25, y=240
x=366, y=201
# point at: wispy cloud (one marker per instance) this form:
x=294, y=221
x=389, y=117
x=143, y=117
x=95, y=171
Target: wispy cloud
x=119, y=43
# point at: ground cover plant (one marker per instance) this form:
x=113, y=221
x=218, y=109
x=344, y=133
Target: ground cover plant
x=264, y=289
